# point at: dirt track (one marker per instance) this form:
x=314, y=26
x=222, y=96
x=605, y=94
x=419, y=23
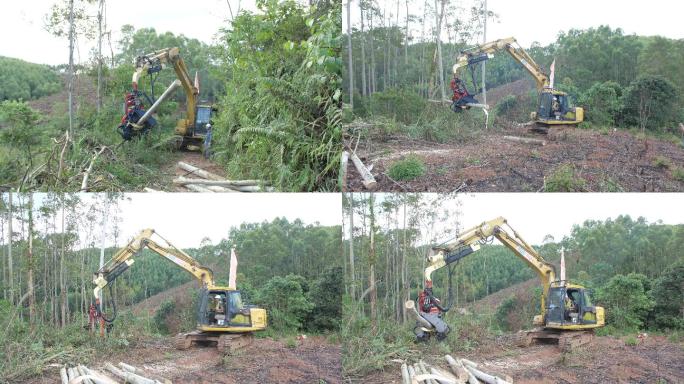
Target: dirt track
x=607, y=360
x=614, y=161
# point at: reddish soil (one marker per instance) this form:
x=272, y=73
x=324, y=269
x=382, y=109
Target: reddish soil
x=605, y=360
x=616, y=160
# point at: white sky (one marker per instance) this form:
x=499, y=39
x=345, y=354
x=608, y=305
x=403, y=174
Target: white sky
x=185, y=219
x=535, y=215
x=24, y=36
x=541, y=20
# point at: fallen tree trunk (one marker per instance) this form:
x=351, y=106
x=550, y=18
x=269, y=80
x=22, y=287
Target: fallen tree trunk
x=448, y=377
x=368, y=179
x=344, y=161
x=405, y=378
x=221, y=183
x=83, y=374
x=84, y=183
x=197, y=188
x=199, y=171
x=487, y=378
x=457, y=368
x=411, y=307
x=147, y=189
x=63, y=375
x=128, y=376
x=525, y=140
x=99, y=377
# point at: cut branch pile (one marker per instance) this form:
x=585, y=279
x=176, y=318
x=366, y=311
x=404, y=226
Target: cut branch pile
x=206, y=181
x=462, y=371
x=123, y=374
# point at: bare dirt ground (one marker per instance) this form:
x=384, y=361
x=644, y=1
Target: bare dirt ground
x=311, y=360
x=605, y=360
x=611, y=161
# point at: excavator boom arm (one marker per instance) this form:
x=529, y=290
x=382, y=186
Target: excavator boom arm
x=124, y=259
x=469, y=242
x=162, y=58
x=510, y=45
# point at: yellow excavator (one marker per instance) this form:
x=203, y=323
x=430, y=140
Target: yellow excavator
x=568, y=315
x=222, y=317
x=553, y=107
x=190, y=130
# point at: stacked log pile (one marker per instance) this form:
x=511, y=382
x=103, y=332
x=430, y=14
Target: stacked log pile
x=461, y=371
x=124, y=373
x=199, y=180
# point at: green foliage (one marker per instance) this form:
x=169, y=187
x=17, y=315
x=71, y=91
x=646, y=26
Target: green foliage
x=565, y=179
x=668, y=293
x=504, y=309
x=398, y=104
x=166, y=308
x=603, y=103
x=631, y=340
x=650, y=102
x=626, y=300
x=21, y=80
x=407, y=169
x=661, y=162
x=283, y=108
x=326, y=296
x=678, y=173
x=286, y=303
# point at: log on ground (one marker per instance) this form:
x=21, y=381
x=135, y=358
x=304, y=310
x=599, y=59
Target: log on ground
x=368, y=179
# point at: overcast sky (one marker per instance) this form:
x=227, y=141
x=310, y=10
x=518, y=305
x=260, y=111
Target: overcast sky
x=535, y=215
x=24, y=36
x=542, y=20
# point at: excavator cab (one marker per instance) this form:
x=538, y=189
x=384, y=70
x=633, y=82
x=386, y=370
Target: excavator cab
x=571, y=307
x=554, y=108
x=222, y=310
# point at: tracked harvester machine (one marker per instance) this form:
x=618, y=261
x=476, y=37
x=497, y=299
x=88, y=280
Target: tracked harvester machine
x=568, y=315
x=191, y=130
x=222, y=317
x=553, y=106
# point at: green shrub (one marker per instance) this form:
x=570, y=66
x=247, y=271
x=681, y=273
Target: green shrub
x=286, y=303
x=603, y=103
x=631, y=340
x=565, y=179
x=626, y=300
x=166, y=308
x=661, y=162
x=326, y=295
x=678, y=173
x=504, y=309
x=407, y=169
x=668, y=293
x=650, y=102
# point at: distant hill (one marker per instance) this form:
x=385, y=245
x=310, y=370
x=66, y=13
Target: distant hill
x=20, y=79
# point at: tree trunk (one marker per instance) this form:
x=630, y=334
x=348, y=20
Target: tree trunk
x=440, y=66
x=29, y=263
x=352, y=272
x=374, y=83
x=364, y=90
x=62, y=279
x=9, y=250
x=351, y=55
x=71, y=68
x=371, y=262
x=99, y=56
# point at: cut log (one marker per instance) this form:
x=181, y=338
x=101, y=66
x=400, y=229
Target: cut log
x=197, y=188
x=99, y=377
x=525, y=140
x=169, y=91
x=86, y=175
x=467, y=362
x=72, y=373
x=84, y=375
x=63, y=375
x=368, y=179
x=199, y=171
x=128, y=376
x=444, y=377
x=426, y=373
x=457, y=368
x=234, y=184
x=476, y=105
x=215, y=188
x=411, y=307
x=150, y=190
x=485, y=377
x=344, y=161
x=405, y=378
x=412, y=373
x=127, y=367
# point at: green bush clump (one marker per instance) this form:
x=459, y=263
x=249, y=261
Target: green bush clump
x=409, y=168
x=565, y=179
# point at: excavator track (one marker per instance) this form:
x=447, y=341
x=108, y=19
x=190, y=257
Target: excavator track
x=231, y=342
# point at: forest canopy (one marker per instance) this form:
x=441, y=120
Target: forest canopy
x=21, y=80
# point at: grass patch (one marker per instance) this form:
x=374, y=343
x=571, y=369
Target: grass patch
x=678, y=173
x=661, y=162
x=631, y=340
x=565, y=179
x=409, y=168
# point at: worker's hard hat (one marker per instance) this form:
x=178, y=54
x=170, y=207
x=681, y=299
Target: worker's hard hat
x=208, y=125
